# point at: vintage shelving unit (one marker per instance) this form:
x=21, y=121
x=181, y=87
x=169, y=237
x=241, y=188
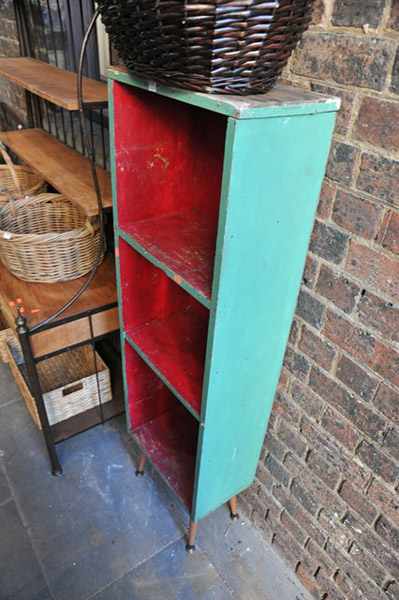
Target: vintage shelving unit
x=214, y=202
x=94, y=317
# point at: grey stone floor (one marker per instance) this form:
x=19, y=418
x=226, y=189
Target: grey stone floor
x=100, y=533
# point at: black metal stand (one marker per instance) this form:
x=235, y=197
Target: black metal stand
x=35, y=387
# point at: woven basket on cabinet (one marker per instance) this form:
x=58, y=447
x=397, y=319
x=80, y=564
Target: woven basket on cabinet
x=17, y=181
x=47, y=238
x=222, y=46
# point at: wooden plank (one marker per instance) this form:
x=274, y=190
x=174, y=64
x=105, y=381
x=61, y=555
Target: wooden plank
x=74, y=332
x=65, y=169
x=51, y=83
x=270, y=193
x=41, y=300
x=279, y=101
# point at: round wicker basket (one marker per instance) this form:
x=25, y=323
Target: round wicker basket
x=221, y=46
x=47, y=239
x=17, y=181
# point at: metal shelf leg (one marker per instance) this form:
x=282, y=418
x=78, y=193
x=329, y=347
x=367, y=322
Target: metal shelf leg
x=34, y=384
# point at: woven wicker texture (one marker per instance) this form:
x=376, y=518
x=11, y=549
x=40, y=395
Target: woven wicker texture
x=17, y=181
x=47, y=238
x=221, y=46
x=68, y=381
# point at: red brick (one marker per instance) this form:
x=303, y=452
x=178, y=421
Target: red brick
x=357, y=215
x=352, y=13
x=304, y=497
x=323, y=469
x=394, y=24
x=344, y=114
x=318, y=490
x=328, y=586
x=337, y=533
x=310, y=272
x=356, y=378
x=291, y=439
x=392, y=591
x=299, y=514
x=341, y=162
x=340, y=428
x=328, y=243
x=391, y=443
x=365, y=419
x=317, y=349
x=369, y=565
x=363, y=346
x=379, y=314
x=287, y=546
x=277, y=470
x=309, y=402
x=374, y=269
x=284, y=380
x=296, y=364
x=320, y=557
x=395, y=74
x=379, y=177
x=273, y=445
x=284, y=407
x=358, y=502
x=326, y=199
x=310, y=309
x=334, y=453
x=378, y=462
x=294, y=333
x=390, y=237
x=264, y=477
x=337, y=288
x=378, y=123
x=308, y=581
x=358, y=61
x=386, y=500
x=293, y=527
x=388, y=532
x=387, y=401
x=373, y=544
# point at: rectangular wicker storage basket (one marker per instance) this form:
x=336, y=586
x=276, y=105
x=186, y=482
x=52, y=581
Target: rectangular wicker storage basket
x=68, y=381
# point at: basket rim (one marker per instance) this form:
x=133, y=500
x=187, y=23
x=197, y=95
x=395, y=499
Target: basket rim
x=40, y=238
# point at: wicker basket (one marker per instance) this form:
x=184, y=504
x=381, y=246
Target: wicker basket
x=17, y=181
x=69, y=383
x=47, y=238
x=222, y=46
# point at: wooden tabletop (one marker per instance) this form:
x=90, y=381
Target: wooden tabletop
x=51, y=83
x=41, y=300
x=68, y=171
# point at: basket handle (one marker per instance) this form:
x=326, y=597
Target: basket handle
x=10, y=165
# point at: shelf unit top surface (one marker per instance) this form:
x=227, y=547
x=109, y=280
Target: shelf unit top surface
x=65, y=169
x=41, y=300
x=51, y=83
x=281, y=100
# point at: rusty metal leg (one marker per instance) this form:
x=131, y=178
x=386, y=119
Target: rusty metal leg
x=192, y=532
x=140, y=466
x=233, y=508
x=35, y=388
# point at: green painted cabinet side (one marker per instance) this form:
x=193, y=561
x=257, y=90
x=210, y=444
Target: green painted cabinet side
x=273, y=172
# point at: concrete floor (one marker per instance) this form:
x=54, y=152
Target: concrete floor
x=100, y=532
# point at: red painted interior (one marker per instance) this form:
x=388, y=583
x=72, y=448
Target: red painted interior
x=168, y=325
x=164, y=429
x=169, y=161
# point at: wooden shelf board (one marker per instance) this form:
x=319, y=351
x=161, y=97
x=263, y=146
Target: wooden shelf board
x=51, y=83
x=170, y=442
x=183, y=245
x=175, y=349
x=41, y=300
x=65, y=169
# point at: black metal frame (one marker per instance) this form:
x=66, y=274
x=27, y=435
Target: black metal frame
x=33, y=381
x=42, y=114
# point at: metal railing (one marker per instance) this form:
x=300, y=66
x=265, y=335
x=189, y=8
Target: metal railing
x=52, y=31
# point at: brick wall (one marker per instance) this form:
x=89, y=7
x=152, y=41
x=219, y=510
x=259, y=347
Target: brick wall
x=12, y=98
x=326, y=493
